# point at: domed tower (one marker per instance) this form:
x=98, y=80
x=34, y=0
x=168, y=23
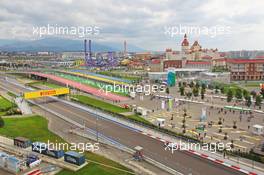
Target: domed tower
x=185, y=45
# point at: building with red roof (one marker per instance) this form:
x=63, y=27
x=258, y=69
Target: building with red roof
x=246, y=69
x=219, y=62
x=172, y=64
x=260, y=56
x=191, y=52
x=206, y=57
x=198, y=64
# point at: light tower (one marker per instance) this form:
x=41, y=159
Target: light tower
x=88, y=55
x=125, y=48
x=90, y=50
x=85, y=53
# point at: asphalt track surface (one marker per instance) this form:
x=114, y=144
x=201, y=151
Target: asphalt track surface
x=180, y=161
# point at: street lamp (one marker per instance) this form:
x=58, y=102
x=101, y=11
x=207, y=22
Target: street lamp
x=97, y=128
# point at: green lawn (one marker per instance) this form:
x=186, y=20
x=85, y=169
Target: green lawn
x=107, y=107
x=100, y=104
x=5, y=104
x=138, y=118
x=11, y=94
x=2, y=113
x=38, y=131
x=231, y=86
x=120, y=75
x=96, y=169
x=252, y=84
x=92, y=83
x=44, y=83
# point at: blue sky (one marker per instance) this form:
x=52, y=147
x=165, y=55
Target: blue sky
x=143, y=22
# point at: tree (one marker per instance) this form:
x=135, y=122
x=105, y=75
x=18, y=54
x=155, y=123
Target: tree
x=220, y=129
x=225, y=137
x=253, y=93
x=245, y=93
x=216, y=91
x=180, y=84
x=216, y=87
x=195, y=91
x=203, y=86
x=234, y=124
x=182, y=90
x=219, y=121
x=258, y=100
x=222, y=89
x=189, y=94
x=197, y=85
x=262, y=92
x=184, y=113
x=167, y=90
x=191, y=84
x=202, y=93
x=248, y=101
x=238, y=94
x=2, y=122
x=210, y=86
x=229, y=95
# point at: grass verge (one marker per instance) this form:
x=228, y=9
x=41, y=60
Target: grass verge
x=38, y=131
x=107, y=107
x=44, y=83
x=99, y=104
x=5, y=104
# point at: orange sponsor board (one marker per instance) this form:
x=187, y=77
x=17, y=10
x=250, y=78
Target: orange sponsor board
x=44, y=93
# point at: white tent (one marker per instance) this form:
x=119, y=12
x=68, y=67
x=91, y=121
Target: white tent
x=258, y=129
x=160, y=122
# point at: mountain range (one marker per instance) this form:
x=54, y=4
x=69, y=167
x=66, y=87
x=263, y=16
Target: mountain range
x=60, y=45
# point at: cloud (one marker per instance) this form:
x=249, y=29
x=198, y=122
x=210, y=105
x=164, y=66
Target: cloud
x=140, y=22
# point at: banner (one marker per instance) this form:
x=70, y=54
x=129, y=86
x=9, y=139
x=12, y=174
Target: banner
x=44, y=93
x=170, y=104
x=162, y=104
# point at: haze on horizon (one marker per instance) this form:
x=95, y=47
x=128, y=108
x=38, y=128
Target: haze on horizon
x=141, y=22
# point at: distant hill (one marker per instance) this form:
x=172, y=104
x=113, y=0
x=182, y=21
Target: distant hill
x=60, y=45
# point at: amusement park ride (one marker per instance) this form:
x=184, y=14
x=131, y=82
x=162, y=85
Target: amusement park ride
x=98, y=60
